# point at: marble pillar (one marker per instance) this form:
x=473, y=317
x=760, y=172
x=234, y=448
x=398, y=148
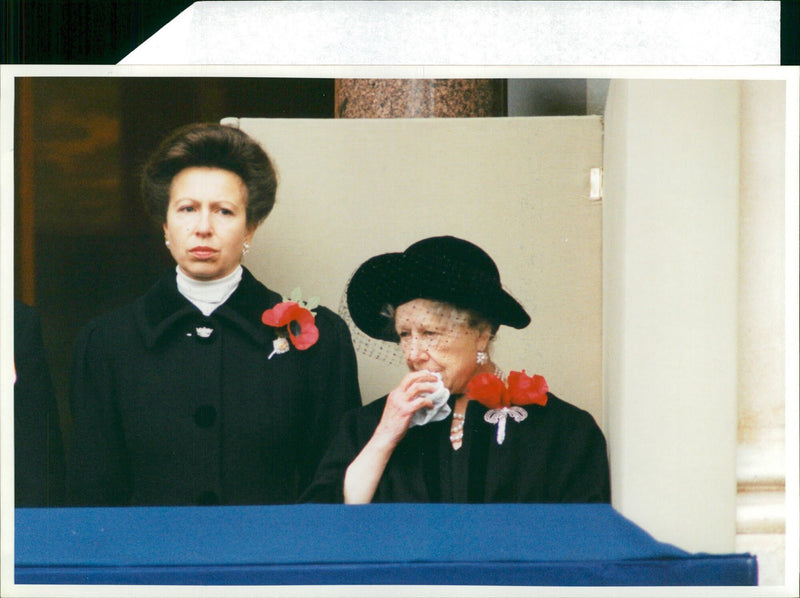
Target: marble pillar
x=420, y=98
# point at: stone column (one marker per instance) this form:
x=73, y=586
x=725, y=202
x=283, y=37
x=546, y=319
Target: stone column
x=420, y=98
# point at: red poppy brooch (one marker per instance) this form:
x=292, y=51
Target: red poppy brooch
x=293, y=318
x=504, y=399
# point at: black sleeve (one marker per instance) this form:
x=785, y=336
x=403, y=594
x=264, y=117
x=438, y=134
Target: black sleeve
x=334, y=388
x=97, y=474
x=355, y=430
x=583, y=476
x=328, y=483
x=38, y=446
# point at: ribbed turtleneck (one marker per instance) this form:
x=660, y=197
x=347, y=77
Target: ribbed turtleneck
x=208, y=295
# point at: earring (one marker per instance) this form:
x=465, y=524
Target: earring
x=166, y=242
x=482, y=357
x=245, y=248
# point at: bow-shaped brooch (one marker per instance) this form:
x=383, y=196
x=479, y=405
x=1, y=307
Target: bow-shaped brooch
x=504, y=399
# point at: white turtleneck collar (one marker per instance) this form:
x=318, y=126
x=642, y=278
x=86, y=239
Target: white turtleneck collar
x=208, y=295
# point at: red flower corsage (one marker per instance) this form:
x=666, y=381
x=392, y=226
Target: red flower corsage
x=504, y=399
x=295, y=319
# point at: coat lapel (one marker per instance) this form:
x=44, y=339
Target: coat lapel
x=163, y=308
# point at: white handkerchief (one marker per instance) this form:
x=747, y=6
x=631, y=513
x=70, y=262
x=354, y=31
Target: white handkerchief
x=440, y=409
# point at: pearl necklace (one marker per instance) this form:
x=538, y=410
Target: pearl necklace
x=457, y=429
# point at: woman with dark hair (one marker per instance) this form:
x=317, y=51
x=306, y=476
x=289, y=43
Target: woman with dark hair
x=209, y=389
x=456, y=428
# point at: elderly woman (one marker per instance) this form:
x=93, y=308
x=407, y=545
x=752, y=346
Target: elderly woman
x=209, y=389
x=455, y=429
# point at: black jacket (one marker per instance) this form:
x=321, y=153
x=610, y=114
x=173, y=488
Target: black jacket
x=38, y=448
x=556, y=455
x=164, y=416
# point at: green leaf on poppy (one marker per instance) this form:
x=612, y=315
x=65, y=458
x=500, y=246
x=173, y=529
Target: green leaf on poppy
x=312, y=303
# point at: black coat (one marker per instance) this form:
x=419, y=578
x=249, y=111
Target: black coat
x=556, y=455
x=163, y=416
x=38, y=448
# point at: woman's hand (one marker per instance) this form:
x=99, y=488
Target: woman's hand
x=410, y=396
x=362, y=476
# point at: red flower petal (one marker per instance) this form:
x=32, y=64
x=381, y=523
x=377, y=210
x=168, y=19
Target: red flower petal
x=308, y=331
x=488, y=389
x=281, y=314
x=298, y=321
x=527, y=390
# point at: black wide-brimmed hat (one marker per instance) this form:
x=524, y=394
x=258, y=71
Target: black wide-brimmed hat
x=444, y=269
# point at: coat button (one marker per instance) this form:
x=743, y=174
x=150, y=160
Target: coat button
x=205, y=416
x=208, y=498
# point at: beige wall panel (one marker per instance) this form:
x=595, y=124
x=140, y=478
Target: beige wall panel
x=518, y=187
x=671, y=219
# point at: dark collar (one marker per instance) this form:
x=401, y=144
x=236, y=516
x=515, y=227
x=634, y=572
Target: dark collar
x=163, y=307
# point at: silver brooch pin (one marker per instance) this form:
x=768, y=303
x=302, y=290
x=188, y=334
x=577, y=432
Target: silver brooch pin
x=204, y=331
x=498, y=416
x=280, y=345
